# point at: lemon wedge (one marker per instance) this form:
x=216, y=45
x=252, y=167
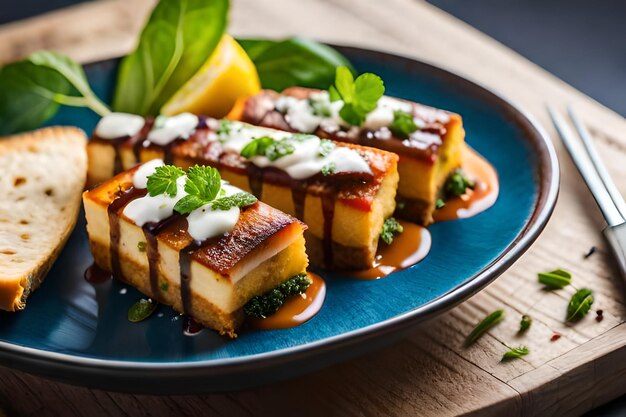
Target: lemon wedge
x=227, y=75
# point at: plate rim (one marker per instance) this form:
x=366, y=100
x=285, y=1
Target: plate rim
x=83, y=368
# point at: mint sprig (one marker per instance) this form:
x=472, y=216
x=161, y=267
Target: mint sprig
x=202, y=185
x=360, y=96
x=163, y=181
x=235, y=200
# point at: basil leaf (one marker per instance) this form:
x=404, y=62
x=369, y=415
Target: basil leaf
x=294, y=62
x=556, y=279
x=141, y=310
x=580, y=304
x=32, y=90
x=177, y=39
x=515, y=353
x=482, y=327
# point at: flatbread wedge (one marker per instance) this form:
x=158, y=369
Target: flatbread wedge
x=42, y=176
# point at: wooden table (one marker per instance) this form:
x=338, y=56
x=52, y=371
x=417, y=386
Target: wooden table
x=428, y=373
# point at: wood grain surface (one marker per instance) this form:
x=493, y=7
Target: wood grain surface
x=428, y=373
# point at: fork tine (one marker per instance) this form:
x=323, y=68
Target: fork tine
x=587, y=170
x=610, y=186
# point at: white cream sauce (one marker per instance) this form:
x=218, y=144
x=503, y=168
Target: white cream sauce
x=140, y=178
x=119, y=125
x=167, y=129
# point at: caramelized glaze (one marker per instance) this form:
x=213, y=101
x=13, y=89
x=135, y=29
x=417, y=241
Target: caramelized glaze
x=407, y=249
x=297, y=309
x=475, y=201
x=96, y=275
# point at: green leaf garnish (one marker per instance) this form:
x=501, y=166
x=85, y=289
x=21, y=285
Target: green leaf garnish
x=515, y=353
x=32, y=90
x=326, y=147
x=439, y=203
x=329, y=169
x=177, y=39
x=390, y=228
x=235, y=200
x=141, y=310
x=360, y=96
x=403, y=124
x=271, y=148
x=579, y=304
x=141, y=246
x=294, y=62
x=202, y=185
x=265, y=305
x=164, y=286
x=525, y=323
x=163, y=181
x=482, y=327
x=457, y=184
x=556, y=279
x=225, y=127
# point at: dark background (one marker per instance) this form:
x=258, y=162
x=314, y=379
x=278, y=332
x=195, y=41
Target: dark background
x=581, y=41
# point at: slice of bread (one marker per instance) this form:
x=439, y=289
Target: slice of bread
x=42, y=176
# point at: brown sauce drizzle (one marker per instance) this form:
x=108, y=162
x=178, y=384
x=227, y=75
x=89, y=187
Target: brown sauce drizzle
x=407, y=249
x=475, y=201
x=184, y=260
x=150, y=232
x=298, y=195
x=297, y=309
x=114, y=227
x=255, y=179
x=328, y=212
x=96, y=275
x=191, y=327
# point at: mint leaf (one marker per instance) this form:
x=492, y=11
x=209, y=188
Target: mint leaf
x=269, y=147
x=515, y=353
x=257, y=147
x=403, y=124
x=360, y=96
x=204, y=182
x=580, y=304
x=163, y=181
x=189, y=203
x=556, y=279
x=235, y=200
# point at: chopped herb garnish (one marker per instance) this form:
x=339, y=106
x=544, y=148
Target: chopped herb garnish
x=326, y=147
x=142, y=246
x=225, y=127
x=163, y=286
x=482, y=327
x=141, y=310
x=329, y=169
x=457, y=184
x=390, y=228
x=267, y=304
x=235, y=200
x=163, y=181
x=556, y=279
x=319, y=108
x=580, y=304
x=440, y=203
x=202, y=185
x=525, y=323
x=515, y=353
x=269, y=147
x=360, y=96
x=403, y=124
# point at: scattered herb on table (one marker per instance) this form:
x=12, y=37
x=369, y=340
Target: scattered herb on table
x=32, y=90
x=360, y=96
x=556, y=279
x=294, y=62
x=580, y=304
x=482, y=327
x=599, y=315
x=525, y=323
x=592, y=250
x=391, y=227
x=265, y=305
x=141, y=310
x=515, y=353
x=177, y=40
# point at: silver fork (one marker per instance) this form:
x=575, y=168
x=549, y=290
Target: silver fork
x=598, y=181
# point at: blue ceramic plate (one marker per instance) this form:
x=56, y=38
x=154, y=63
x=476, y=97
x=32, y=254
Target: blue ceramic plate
x=78, y=332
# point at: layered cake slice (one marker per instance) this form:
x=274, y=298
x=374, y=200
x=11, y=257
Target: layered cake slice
x=429, y=141
x=192, y=241
x=343, y=192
